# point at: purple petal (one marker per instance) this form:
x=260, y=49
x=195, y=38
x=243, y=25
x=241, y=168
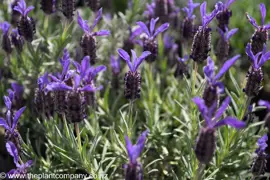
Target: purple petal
x=130, y=150
x=226, y=66
x=220, y=87
x=123, y=54
x=262, y=143
x=115, y=64
x=11, y=94
x=54, y=78
x=221, y=33
x=83, y=23
x=222, y=108
x=98, y=17
x=16, y=117
x=97, y=70
x=263, y=12
x=252, y=21
x=264, y=103
x=5, y=27
x=161, y=29
x=209, y=69
x=8, y=119
x=102, y=33
x=17, y=88
x=85, y=65
x=184, y=59
x=231, y=121
x=30, y=8
x=266, y=27
x=57, y=87
x=12, y=150
x=231, y=33
x=77, y=81
x=203, y=109
x=250, y=53
x=152, y=25
x=203, y=9
x=7, y=102
x=144, y=28
x=17, y=8
x=141, y=141
x=65, y=57
x=135, y=33
x=65, y=69
x=134, y=58
x=265, y=57
x=140, y=59
x=28, y=164
x=3, y=123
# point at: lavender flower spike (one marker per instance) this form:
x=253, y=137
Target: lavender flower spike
x=6, y=43
x=260, y=37
x=149, y=42
x=224, y=16
x=190, y=8
x=21, y=168
x=133, y=170
x=259, y=164
x=214, y=87
x=133, y=78
x=201, y=44
x=255, y=74
x=206, y=141
x=26, y=25
x=88, y=40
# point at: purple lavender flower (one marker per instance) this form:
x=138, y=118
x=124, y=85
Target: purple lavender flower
x=206, y=141
x=182, y=68
x=259, y=164
x=15, y=95
x=17, y=40
x=94, y=5
x=131, y=41
x=132, y=77
x=10, y=123
x=48, y=6
x=224, y=16
x=45, y=103
x=260, y=37
x=15, y=15
x=115, y=65
x=6, y=43
x=150, y=10
x=223, y=46
x=68, y=8
x=187, y=25
x=88, y=40
x=134, y=170
x=26, y=25
x=149, y=42
x=214, y=87
x=201, y=45
x=21, y=168
x=255, y=74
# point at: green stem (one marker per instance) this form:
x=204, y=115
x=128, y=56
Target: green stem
x=130, y=115
x=77, y=129
x=199, y=172
x=194, y=77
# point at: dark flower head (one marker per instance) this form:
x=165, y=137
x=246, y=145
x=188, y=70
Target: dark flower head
x=209, y=71
x=190, y=8
x=260, y=58
x=211, y=119
x=152, y=33
x=115, y=65
x=5, y=26
x=22, y=8
x=136, y=61
x=89, y=29
x=207, y=18
x=135, y=150
x=262, y=144
x=228, y=34
x=21, y=168
x=253, y=21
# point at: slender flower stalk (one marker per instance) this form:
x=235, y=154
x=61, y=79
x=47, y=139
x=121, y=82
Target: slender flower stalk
x=255, y=73
x=149, y=42
x=260, y=36
x=133, y=77
x=6, y=43
x=201, y=45
x=187, y=25
x=134, y=169
x=206, y=141
x=26, y=25
x=88, y=40
x=223, y=46
x=213, y=86
x=224, y=16
x=259, y=164
x=21, y=168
